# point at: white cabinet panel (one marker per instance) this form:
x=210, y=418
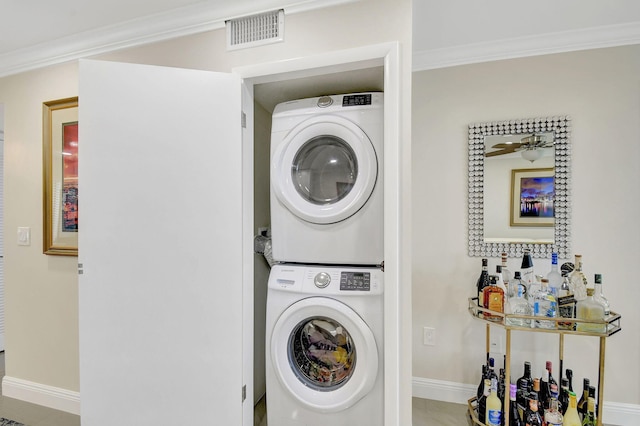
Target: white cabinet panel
x=160, y=246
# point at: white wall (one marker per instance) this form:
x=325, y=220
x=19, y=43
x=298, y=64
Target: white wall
x=599, y=89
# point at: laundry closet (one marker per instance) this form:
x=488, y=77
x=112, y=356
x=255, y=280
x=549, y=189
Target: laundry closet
x=267, y=95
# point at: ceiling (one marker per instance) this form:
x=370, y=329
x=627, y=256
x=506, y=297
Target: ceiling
x=38, y=33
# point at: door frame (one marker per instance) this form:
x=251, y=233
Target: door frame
x=397, y=317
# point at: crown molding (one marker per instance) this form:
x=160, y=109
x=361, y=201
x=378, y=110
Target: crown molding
x=519, y=47
x=175, y=23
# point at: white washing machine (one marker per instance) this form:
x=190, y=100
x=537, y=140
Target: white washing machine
x=326, y=180
x=324, y=346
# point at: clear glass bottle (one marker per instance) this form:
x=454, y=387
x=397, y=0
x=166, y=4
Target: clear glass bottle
x=519, y=306
x=545, y=305
x=554, y=276
x=571, y=416
x=518, y=283
x=482, y=282
x=507, y=276
x=597, y=294
x=589, y=309
x=493, y=297
x=493, y=416
x=526, y=269
x=577, y=280
x=552, y=415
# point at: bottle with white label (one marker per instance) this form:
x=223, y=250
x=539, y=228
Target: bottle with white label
x=526, y=269
x=493, y=415
x=554, y=276
x=598, y=296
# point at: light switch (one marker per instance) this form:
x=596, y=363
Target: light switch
x=24, y=236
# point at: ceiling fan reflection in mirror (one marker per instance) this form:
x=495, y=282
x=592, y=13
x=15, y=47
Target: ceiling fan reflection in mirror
x=531, y=147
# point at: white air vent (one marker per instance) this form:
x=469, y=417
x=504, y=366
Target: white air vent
x=255, y=30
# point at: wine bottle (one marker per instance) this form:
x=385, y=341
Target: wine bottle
x=480, y=390
x=483, y=281
x=584, y=399
x=482, y=402
x=564, y=395
x=589, y=419
x=544, y=396
x=493, y=406
x=532, y=416
x=569, y=374
x=598, y=296
x=514, y=414
x=524, y=383
x=571, y=416
x=549, y=367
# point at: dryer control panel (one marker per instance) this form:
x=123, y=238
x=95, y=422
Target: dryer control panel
x=326, y=280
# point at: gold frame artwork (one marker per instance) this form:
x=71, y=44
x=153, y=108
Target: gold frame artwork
x=60, y=192
x=516, y=218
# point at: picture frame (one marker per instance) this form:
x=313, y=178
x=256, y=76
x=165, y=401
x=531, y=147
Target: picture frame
x=60, y=176
x=532, y=197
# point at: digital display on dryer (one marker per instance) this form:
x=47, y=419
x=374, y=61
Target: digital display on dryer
x=355, y=281
x=356, y=100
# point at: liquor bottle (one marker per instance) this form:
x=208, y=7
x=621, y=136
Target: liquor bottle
x=514, y=414
x=493, y=406
x=518, y=305
x=501, y=387
x=549, y=367
x=483, y=281
x=493, y=300
x=571, y=416
x=598, y=296
x=564, y=395
x=578, y=281
x=532, y=416
x=566, y=304
x=554, y=276
x=544, y=396
x=518, y=283
x=507, y=276
x=589, y=309
x=480, y=390
x=545, y=305
x=589, y=419
x=524, y=383
x=553, y=415
x=584, y=399
x=565, y=288
x=500, y=279
x=482, y=402
x=569, y=374
x=527, y=268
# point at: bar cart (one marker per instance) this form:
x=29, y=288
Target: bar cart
x=563, y=326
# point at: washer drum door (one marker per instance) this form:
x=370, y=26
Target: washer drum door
x=324, y=170
x=324, y=354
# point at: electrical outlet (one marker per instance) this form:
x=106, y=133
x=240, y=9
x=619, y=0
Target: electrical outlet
x=429, y=336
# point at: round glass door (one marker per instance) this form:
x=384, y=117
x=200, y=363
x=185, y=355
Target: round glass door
x=322, y=353
x=324, y=170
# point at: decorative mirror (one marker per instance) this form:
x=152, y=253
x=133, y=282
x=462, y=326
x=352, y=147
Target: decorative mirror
x=519, y=187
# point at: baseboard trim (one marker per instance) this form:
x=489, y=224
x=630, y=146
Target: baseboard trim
x=615, y=413
x=45, y=395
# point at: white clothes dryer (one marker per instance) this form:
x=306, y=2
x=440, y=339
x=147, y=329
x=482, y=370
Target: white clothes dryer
x=324, y=346
x=326, y=180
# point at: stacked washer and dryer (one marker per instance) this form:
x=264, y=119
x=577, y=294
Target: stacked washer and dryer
x=324, y=324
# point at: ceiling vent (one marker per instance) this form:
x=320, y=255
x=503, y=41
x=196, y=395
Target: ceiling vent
x=255, y=30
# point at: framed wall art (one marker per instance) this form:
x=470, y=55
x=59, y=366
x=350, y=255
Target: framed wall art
x=532, y=197
x=60, y=176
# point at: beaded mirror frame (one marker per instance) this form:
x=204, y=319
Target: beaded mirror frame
x=561, y=128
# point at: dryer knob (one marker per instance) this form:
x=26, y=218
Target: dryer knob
x=322, y=280
x=325, y=101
